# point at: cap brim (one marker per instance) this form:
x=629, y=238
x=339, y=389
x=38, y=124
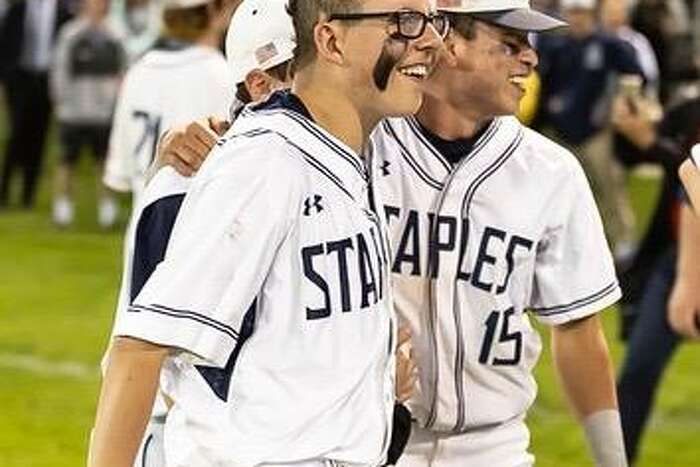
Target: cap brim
x=521, y=19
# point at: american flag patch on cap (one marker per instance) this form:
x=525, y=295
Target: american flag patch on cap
x=265, y=53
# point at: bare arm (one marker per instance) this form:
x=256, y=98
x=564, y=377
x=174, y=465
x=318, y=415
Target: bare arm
x=583, y=364
x=684, y=302
x=585, y=370
x=690, y=176
x=126, y=401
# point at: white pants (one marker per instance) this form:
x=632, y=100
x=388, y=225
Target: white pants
x=503, y=446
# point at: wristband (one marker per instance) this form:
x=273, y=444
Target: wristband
x=604, y=434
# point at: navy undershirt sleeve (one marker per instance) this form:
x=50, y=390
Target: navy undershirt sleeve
x=152, y=235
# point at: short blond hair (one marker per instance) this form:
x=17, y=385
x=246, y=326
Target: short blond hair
x=305, y=16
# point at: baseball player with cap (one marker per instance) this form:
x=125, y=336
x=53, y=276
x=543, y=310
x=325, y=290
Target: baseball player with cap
x=276, y=271
x=489, y=220
x=150, y=100
x=259, y=47
x=491, y=225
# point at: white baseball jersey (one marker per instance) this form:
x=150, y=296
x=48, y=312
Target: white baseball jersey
x=145, y=241
x=160, y=91
x=511, y=228
x=275, y=287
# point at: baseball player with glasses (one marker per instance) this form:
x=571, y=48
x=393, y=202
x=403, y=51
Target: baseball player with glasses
x=492, y=224
x=272, y=306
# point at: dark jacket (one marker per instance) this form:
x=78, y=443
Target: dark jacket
x=12, y=31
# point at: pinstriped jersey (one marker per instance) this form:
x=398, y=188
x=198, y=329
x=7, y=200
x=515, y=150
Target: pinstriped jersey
x=508, y=233
x=275, y=287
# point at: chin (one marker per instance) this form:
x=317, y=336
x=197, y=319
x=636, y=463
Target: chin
x=405, y=102
x=408, y=107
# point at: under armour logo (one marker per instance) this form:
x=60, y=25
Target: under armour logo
x=312, y=203
x=385, y=168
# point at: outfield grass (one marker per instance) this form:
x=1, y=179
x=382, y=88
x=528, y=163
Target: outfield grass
x=57, y=293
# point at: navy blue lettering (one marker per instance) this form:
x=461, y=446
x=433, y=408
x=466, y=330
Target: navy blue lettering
x=409, y=246
x=464, y=239
x=367, y=279
x=391, y=211
x=515, y=242
x=308, y=253
x=341, y=247
x=485, y=258
x=437, y=244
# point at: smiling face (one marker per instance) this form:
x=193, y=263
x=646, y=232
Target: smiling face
x=385, y=70
x=483, y=71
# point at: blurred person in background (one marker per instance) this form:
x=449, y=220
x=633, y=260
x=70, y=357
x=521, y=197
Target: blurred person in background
x=87, y=69
x=163, y=89
x=666, y=24
x=3, y=10
x=138, y=23
x=27, y=35
x=578, y=69
x=664, y=284
x=614, y=16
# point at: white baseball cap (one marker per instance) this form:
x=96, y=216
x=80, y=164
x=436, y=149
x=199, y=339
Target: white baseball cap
x=260, y=36
x=183, y=4
x=514, y=14
x=577, y=4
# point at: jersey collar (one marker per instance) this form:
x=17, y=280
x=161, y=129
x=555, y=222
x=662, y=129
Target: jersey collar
x=285, y=114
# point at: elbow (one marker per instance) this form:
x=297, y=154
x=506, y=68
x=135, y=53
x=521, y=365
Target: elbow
x=126, y=345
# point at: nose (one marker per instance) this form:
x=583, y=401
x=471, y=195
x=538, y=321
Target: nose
x=430, y=40
x=528, y=57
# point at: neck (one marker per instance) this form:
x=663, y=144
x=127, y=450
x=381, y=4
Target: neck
x=332, y=110
x=447, y=122
x=94, y=19
x=210, y=39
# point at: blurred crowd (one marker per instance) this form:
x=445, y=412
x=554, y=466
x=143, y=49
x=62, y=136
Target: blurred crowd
x=620, y=87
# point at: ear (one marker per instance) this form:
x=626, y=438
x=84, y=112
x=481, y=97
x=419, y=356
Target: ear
x=449, y=50
x=257, y=82
x=330, y=42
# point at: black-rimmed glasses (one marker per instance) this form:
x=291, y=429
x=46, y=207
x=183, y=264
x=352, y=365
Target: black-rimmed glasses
x=410, y=24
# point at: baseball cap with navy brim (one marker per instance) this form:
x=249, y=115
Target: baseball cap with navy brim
x=260, y=36
x=513, y=14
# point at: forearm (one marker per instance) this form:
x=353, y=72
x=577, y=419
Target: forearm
x=584, y=367
x=688, y=265
x=684, y=302
x=583, y=364
x=126, y=401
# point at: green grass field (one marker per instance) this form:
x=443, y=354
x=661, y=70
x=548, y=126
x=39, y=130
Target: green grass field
x=57, y=294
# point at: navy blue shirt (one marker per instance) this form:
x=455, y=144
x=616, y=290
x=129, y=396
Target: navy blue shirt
x=453, y=150
x=577, y=75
